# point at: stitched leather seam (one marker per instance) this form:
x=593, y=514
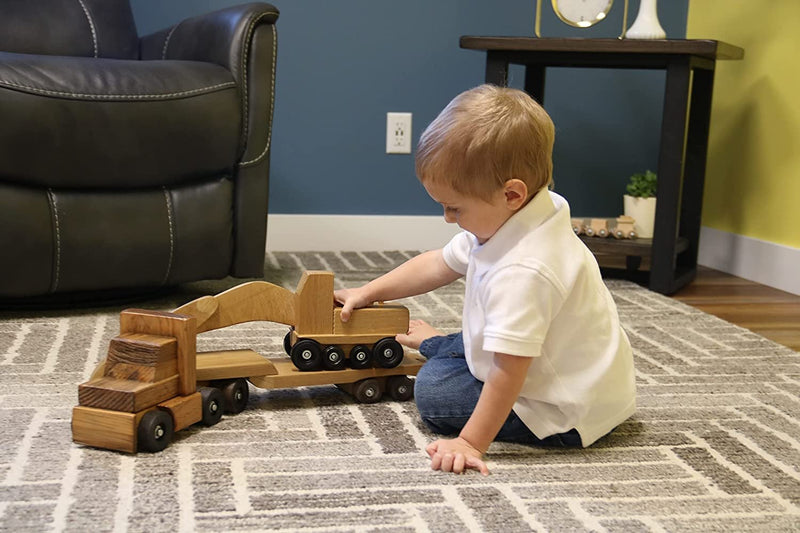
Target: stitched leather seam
x=91, y=27
x=271, y=102
x=210, y=88
x=171, y=235
x=245, y=52
x=54, y=210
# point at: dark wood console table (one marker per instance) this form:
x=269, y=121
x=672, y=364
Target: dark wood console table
x=689, y=65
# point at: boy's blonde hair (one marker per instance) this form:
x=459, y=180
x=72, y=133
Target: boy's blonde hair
x=484, y=137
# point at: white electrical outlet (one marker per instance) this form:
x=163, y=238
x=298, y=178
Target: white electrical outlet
x=398, y=133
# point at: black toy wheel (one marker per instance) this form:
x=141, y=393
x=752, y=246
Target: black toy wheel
x=360, y=356
x=387, y=353
x=236, y=394
x=367, y=391
x=400, y=388
x=155, y=431
x=306, y=354
x=213, y=405
x=287, y=342
x=333, y=358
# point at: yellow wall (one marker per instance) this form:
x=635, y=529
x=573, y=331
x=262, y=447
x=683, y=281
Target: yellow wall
x=753, y=171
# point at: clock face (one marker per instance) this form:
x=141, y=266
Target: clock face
x=582, y=13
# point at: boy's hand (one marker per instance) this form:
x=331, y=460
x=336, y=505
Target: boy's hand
x=351, y=299
x=455, y=455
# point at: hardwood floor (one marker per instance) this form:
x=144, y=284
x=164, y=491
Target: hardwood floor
x=772, y=313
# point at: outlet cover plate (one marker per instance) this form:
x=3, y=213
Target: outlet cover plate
x=398, y=133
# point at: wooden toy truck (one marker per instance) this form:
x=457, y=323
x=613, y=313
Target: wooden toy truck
x=153, y=382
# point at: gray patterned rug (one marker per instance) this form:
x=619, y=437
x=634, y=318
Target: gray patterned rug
x=714, y=446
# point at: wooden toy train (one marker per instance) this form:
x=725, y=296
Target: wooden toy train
x=153, y=382
x=620, y=228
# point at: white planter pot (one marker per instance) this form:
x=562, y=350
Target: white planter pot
x=643, y=211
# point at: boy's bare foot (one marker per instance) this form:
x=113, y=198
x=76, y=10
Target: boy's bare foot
x=418, y=331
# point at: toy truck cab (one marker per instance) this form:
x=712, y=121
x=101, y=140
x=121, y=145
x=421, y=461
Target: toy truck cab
x=147, y=387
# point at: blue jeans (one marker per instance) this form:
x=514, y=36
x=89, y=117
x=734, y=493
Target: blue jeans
x=446, y=393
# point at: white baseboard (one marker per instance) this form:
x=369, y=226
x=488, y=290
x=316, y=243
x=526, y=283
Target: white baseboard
x=358, y=233
x=764, y=262
x=760, y=261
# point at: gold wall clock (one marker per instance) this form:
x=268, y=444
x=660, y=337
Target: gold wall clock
x=581, y=13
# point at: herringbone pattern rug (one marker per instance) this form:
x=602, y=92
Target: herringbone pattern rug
x=715, y=445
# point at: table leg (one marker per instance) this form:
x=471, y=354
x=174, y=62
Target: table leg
x=670, y=177
x=534, y=81
x=496, y=69
x=695, y=166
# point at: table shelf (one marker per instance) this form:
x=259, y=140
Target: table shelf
x=627, y=247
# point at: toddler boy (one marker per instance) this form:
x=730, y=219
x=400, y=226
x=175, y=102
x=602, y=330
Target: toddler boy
x=542, y=358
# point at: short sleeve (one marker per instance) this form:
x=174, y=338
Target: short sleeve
x=456, y=252
x=519, y=303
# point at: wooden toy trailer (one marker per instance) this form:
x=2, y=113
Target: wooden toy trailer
x=153, y=381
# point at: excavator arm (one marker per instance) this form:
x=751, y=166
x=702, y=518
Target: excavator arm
x=255, y=300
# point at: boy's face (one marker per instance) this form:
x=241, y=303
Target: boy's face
x=475, y=215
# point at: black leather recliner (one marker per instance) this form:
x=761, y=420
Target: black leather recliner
x=127, y=162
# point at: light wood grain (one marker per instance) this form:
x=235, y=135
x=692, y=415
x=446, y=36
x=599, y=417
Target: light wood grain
x=231, y=364
x=125, y=394
x=289, y=376
x=255, y=300
x=185, y=410
x=382, y=320
x=100, y=428
x=315, y=303
x=141, y=357
x=182, y=327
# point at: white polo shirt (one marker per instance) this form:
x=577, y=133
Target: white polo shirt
x=535, y=290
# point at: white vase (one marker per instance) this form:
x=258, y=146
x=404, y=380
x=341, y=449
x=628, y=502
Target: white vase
x=643, y=211
x=646, y=25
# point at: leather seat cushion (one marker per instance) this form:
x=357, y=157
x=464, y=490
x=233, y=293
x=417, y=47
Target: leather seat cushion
x=74, y=122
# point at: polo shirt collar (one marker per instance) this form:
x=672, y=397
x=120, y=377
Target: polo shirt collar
x=540, y=208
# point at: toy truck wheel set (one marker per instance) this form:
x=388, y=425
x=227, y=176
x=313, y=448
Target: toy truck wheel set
x=308, y=354
x=154, y=382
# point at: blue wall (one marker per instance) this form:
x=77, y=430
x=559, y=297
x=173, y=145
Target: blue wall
x=343, y=65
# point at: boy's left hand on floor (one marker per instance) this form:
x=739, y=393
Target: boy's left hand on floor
x=455, y=455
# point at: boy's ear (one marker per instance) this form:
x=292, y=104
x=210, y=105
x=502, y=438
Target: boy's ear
x=516, y=193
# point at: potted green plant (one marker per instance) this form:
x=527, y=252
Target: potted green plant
x=640, y=202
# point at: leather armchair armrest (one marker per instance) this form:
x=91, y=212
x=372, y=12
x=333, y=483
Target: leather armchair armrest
x=221, y=37
x=243, y=40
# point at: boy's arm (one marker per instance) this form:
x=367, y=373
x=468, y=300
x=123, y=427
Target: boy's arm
x=500, y=392
x=418, y=275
